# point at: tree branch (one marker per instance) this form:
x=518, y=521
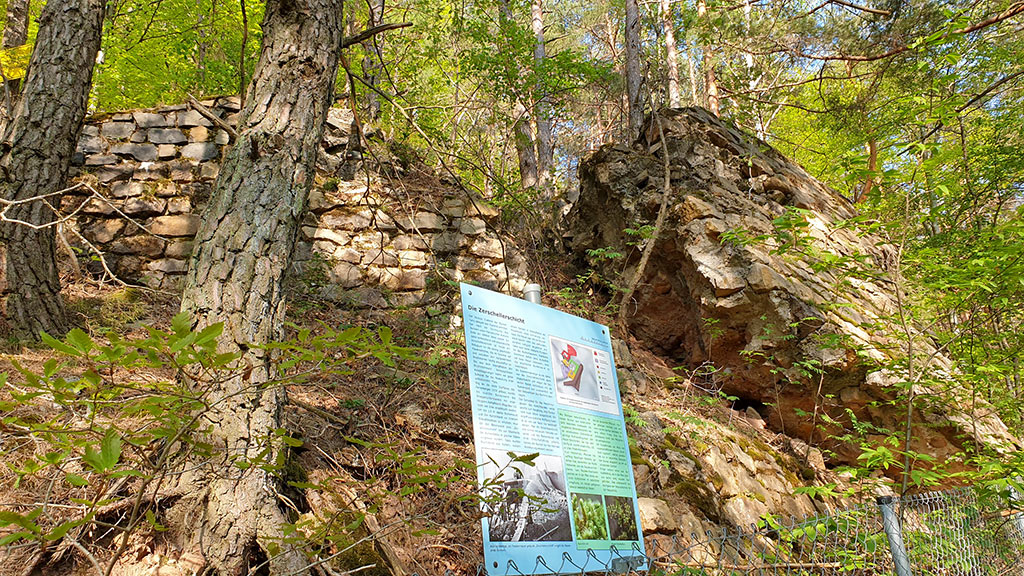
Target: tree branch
x=938, y=125
x=209, y=115
x=371, y=32
x=867, y=9
x=1014, y=9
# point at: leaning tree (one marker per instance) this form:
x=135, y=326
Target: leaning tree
x=235, y=277
x=35, y=156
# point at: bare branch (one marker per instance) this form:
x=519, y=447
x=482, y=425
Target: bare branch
x=1014, y=9
x=938, y=125
x=371, y=32
x=209, y=115
x=867, y=9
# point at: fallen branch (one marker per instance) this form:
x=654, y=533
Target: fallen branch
x=323, y=508
x=142, y=498
x=30, y=566
x=209, y=115
x=320, y=412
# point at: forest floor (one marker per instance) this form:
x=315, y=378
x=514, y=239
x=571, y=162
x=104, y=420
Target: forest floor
x=384, y=440
x=381, y=471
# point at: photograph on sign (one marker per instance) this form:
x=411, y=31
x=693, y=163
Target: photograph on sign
x=556, y=481
x=526, y=498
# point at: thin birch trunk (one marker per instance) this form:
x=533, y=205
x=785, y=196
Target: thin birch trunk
x=542, y=106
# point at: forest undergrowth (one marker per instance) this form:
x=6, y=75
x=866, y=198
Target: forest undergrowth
x=379, y=475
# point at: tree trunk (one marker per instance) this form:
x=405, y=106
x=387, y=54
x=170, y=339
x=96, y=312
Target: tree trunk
x=373, y=61
x=542, y=107
x=671, y=53
x=38, y=143
x=241, y=53
x=242, y=251
x=871, y=147
x=710, y=80
x=692, y=72
x=528, y=174
x=202, y=44
x=634, y=78
x=618, y=116
x=15, y=35
x=522, y=127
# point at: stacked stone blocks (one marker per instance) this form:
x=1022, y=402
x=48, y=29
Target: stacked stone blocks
x=154, y=170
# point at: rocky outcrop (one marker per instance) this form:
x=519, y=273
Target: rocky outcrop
x=367, y=240
x=761, y=285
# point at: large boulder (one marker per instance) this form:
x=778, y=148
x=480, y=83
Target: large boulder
x=760, y=278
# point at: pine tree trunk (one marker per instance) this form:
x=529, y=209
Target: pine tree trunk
x=671, y=53
x=15, y=34
x=38, y=143
x=692, y=73
x=710, y=80
x=242, y=251
x=634, y=78
x=871, y=148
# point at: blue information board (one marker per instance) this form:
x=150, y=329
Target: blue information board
x=553, y=460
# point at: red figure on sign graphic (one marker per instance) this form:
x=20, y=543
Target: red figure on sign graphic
x=571, y=368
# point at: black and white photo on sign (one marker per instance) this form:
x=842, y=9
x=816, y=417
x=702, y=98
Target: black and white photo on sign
x=524, y=498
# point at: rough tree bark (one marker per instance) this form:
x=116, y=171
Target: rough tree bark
x=634, y=78
x=15, y=35
x=37, y=146
x=242, y=251
x=525, y=150
x=671, y=53
x=541, y=107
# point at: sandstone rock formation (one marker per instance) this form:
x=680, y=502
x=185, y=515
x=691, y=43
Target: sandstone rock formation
x=761, y=286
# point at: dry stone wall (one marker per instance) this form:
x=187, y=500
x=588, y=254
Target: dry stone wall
x=146, y=175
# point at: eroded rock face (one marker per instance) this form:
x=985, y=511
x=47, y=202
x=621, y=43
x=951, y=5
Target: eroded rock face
x=759, y=273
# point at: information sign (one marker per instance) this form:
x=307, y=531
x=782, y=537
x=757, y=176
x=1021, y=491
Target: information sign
x=554, y=466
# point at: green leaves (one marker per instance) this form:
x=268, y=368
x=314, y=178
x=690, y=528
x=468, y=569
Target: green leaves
x=26, y=522
x=77, y=343
x=14, y=61
x=102, y=413
x=104, y=459
x=158, y=53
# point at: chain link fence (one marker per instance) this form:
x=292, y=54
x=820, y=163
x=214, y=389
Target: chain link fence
x=960, y=532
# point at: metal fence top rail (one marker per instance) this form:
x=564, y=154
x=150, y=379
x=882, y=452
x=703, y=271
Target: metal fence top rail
x=957, y=532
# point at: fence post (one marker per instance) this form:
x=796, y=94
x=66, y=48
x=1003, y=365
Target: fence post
x=531, y=293
x=1016, y=503
x=891, y=524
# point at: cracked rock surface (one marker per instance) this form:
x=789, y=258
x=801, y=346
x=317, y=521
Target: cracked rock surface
x=760, y=279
